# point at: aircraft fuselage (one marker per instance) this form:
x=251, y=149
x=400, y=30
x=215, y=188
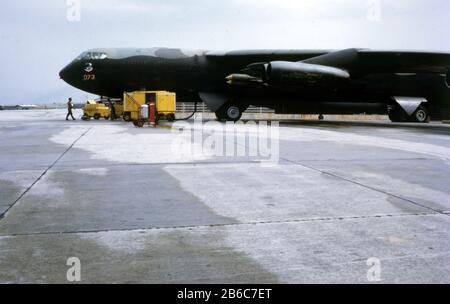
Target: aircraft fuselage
x=192, y=74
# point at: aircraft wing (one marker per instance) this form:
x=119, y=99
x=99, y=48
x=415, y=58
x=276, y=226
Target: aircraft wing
x=368, y=61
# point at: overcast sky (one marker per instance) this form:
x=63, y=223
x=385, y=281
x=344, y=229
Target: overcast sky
x=37, y=38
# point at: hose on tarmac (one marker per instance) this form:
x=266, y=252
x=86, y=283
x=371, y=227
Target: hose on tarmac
x=189, y=117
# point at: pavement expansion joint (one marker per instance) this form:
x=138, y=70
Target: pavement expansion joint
x=358, y=184
x=367, y=187
x=309, y=220
x=4, y=214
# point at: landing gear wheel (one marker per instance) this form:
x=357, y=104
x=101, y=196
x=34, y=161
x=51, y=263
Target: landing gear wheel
x=421, y=115
x=230, y=112
x=321, y=117
x=233, y=113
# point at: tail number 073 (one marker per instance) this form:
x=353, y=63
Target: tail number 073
x=88, y=77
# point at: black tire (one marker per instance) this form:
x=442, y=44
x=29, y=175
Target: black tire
x=230, y=112
x=107, y=118
x=220, y=116
x=171, y=117
x=140, y=123
x=421, y=115
x=85, y=118
x=97, y=116
x=127, y=117
x=397, y=114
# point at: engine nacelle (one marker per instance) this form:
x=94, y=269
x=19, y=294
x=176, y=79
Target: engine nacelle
x=298, y=73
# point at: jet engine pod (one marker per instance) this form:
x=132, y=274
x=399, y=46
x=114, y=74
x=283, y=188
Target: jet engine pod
x=298, y=73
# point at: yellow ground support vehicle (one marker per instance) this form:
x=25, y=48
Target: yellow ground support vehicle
x=165, y=104
x=119, y=109
x=101, y=109
x=96, y=110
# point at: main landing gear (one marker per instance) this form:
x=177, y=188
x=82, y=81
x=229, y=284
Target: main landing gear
x=230, y=112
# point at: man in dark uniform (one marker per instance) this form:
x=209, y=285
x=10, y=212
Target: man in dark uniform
x=113, y=109
x=69, y=110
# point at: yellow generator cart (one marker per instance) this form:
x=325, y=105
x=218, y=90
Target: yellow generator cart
x=95, y=110
x=165, y=104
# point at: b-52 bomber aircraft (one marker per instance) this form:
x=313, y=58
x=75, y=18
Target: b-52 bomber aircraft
x=406, y=85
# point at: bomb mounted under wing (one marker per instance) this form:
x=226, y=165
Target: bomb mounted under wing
x=409, y=86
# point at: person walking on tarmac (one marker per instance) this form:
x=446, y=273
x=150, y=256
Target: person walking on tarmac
x=113, y=110
x=69, y=109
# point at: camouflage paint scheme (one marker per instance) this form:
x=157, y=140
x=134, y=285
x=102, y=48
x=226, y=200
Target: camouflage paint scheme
x=200, y=75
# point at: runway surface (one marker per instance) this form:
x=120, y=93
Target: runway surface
x=327, y=204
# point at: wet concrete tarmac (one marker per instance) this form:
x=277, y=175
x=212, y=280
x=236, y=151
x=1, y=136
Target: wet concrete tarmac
x=134, y=209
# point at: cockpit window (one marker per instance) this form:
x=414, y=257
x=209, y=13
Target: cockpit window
x=92, y=56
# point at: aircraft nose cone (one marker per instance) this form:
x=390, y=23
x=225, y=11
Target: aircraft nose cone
x=67, y=73
x=64, y=73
